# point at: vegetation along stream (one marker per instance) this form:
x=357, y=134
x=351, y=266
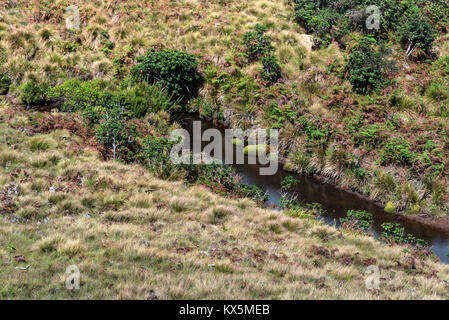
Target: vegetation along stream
x=333, y=202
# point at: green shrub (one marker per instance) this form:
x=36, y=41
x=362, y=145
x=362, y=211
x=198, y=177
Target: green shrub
x=417, y=32
x=173, y=70
x=114, y=132
x=32, y=93
x=256, y=43
x=155, y=155
x=5, y=83
x=370, y=136
x=74, y=95
x=143, y=98
x=361, y=219
x=326, y=23
x=367, y=66
x=397, y=150
x=271, y=70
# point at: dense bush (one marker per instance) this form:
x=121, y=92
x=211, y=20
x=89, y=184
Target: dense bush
x=417, y=34
x=325, y=23
x=114, y=132
x=397, y=151
x=256, y=43
x=5, y=83
x=173, y=70
x=74, y=95
x=143, y=98
x=331, y=20
x=33, y=93
x=271, y=70
x=367, y=66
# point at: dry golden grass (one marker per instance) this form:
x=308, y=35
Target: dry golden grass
x=133, y=236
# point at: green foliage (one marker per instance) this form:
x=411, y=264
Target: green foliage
x=417, y=32
x=173, y=70
x=114, y=132
x=390, y=207
x=367, y=66
x=252, y=191
x=74, y=95
x=32, y=93
x=438, y=91
x=370, y=136
x=397, y=150
x=313, y=133
x=288, y=182
x=5, y=83
x=256, y=43
x=359, y=218
x=143, y=98
x=271, y=70
x=322, y=20
x=394, y=232
x=155, y=154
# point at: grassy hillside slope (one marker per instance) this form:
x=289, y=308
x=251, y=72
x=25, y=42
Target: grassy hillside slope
x=134, y=236
x=391, y=146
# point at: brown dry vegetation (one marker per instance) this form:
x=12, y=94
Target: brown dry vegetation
x=134, y=236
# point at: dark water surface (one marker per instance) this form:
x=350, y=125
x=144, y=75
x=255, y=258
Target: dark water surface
x=335, y=202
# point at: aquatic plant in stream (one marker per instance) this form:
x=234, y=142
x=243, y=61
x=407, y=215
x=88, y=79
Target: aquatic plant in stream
x=395, y=233
x=358, y=219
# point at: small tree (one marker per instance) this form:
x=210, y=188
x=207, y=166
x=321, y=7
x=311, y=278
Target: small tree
x=115, y=132
x=257, y=43
x=417, y=32
x=367, y=65
x=173, y=70
x=271, y=70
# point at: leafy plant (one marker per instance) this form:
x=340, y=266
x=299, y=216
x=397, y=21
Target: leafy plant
x=115, y=132
x=288, y=182
x=394, y=232
x=32, y=93
x=417, y=32
x=271, y=70
x=367, y=66
x=256, y=43
x=360, y=218
x=74, y=95
x=173, y=70
x=5, y=83
x=397, y=151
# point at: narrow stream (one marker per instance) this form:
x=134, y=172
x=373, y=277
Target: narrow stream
x=334, y=202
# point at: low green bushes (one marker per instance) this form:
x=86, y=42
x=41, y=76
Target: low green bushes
x=256, y=43
x=397, y=151
x=271, y=70
x=33, y=93
x=5, y=83
x=358, y=218
x=173, y=70
x=367, y=66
